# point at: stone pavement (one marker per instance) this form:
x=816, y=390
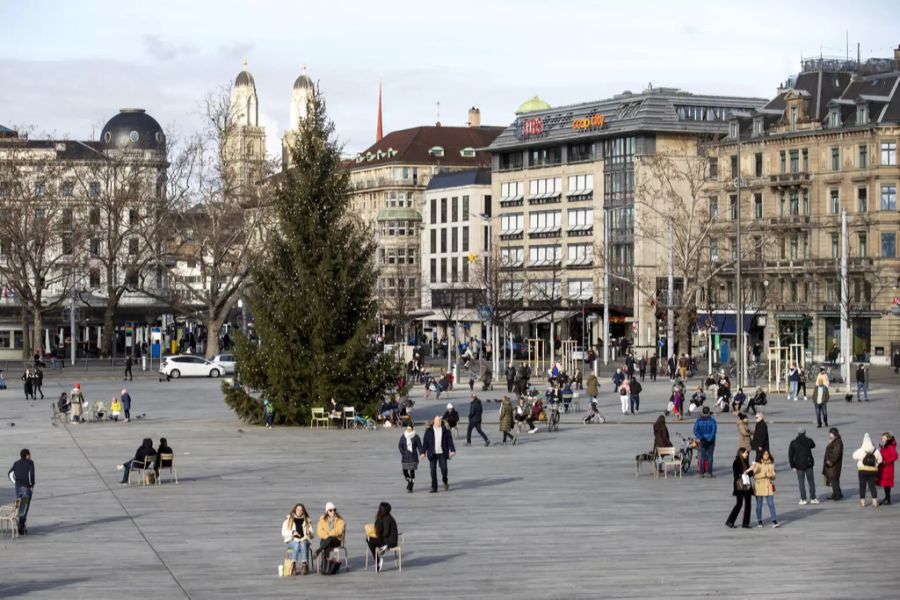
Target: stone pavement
x=558, y=515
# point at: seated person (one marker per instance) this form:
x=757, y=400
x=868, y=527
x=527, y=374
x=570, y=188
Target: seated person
x=386, y=535
x=115, y=407
x=163, y=449
x=144, y=451
x=537, y=408
x=521, y=412
x=335, y=412
x=738, y=401
x=758, y=399
x=384, y=411
x=330, y=530
x=697, y=399
x=403, y=416
x=567, y=395
x=296, y=530
x=451, y=417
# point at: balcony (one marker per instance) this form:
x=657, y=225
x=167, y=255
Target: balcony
x=789, y=179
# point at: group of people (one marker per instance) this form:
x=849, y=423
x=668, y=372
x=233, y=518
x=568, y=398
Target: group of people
x=33, y=381
x=436, y=445
x=74, y=404
x=144, y=452
x=629, y=390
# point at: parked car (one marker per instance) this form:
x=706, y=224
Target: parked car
x=227, y=362
x=185, y=365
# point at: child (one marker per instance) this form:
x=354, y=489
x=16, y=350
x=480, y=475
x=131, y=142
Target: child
x=115, y=407
x=268, y=413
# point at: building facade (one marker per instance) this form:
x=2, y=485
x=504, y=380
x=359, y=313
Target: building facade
x=825, y=145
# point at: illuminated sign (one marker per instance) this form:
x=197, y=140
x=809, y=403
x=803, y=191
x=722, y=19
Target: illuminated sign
x=594, y=121
x=532, y=127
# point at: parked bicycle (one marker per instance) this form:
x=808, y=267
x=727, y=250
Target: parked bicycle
x=686, y=452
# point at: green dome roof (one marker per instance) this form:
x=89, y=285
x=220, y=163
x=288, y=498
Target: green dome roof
x=534, y=104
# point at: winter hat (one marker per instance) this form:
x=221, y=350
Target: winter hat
x=801, y=430
x=329, y=506
x=449, y=406
x=77, y=386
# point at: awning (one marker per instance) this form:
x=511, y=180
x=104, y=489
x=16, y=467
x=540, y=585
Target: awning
x=724, y=323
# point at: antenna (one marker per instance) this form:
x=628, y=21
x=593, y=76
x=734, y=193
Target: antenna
x=438, y=105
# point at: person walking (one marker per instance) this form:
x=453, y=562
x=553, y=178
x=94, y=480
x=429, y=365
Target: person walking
x=801, y=389
x=654, y=366
x=128, y=364
x=763, y=472
x=593, y=387
x=793, y=378
x=438, y=447
x=885, y=477
x=834, y=457
x=867, y=458
x=475, y=411
x=297, y=532
x=744, y=431
x=28, y=384
x=125, y=397
x=862, y=384
x=506, y=419
x=386, y=534
x=510, y=377
x=741, y=489
x=410, y=447
x=624, y=395
x=705, y=432
x=760, y=439
x=635, y=389
x=618, y=379
x=642, y=367
x=671, y=363
x=683, y=364
x=800, y=457
x=38, y=385
x=820, y=401
x=22, y=476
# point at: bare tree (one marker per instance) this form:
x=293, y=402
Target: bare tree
x=397, y=298
x=491, y=282
x=39, y=238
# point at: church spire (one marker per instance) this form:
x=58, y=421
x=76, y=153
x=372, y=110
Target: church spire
x=378, y=132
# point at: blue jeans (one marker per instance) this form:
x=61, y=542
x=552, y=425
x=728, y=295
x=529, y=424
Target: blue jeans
x=706, y=456
x=299, y=549
x=822, y=414
x=25, y=494
x=808, y=476
x=770, y=500
x=635, y=402
x=862, y=390
x=793, y=387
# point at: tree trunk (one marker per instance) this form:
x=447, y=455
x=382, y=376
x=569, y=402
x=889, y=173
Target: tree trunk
x=108, y=331
x=213, y=325
x=38, y=331
x=26, y=339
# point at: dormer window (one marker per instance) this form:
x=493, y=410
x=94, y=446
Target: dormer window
x=436, y=151
x=834, y=117
x=793, y=117
x=757, y=126
x=467, y=152
x=733, y=129
x=862, y=114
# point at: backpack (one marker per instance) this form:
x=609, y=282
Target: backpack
x=869, y=460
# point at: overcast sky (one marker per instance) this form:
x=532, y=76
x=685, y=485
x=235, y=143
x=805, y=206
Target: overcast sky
x=67, y=67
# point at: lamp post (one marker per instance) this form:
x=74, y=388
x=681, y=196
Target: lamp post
x=739, y=325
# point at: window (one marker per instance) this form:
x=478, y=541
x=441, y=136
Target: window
x=544, y=290
x=94, y=278
x=835, y=202
x=67, y=219
x=783, y=207
x=795, y=161
x=757, y=126
x=433, y=270
x=443, y=240
x=733, y=129
x=540, y=157
x=511, y=224
x=68, y=244
x=465, y=208
x=782, y=162
x=133, y=216
x=805, y=155
x=793, y=121
x=794, y=200
x=94, y=217
x=580, y=289
x=793, y=291
x=68, y=188
x=713, y=168
x=734, y=167
x=581, y=152
x=410, y=256
x=443, y=270
x=713, y=208
x=714, y=250
x=795, y=247
x=758, y=164
x=863, y=245
x=511, y=191
x=863, y=156
x=512, y=257
x=433, y=211
x=732, y=244
x=510, y=161
x=862, y=200
x=95, y=246
x=806, y=201
x=888, y=245
x=542, y=256
x=512, y=290
x=835, y=159
x=433, y=245
x=835, y=246
x=579, y=254
x=454, y=239
x=831, y=291
x=618, y=151
x=580, y=185
x=465, y=239
x=545, y=221
x=581, y=219
x=465, y=270
x=834, y=118
x=132, y=246
x=540, y=189
x=757, y=206
x=889, y=153
x=862, y=114
x=889, y=197
x=443, y=210
x=40, y=188
x=454, y=270
x=733, y=206
x=454, y=209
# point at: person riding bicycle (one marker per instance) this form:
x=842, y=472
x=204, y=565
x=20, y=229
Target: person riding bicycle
x=537, y=409
x=593, y=414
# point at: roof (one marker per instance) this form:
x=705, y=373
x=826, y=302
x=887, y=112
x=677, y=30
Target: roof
x=244, y=78
x=455, y=179
x=533, y=104
x=414, y=146
x=665, y=110
x=399, y=214
x=65, y=149
x=7, y=132
x=818, y=88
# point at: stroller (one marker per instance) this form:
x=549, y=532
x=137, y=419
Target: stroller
x=487, y=379
x=594, y=415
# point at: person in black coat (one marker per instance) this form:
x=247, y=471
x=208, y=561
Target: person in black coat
x=801, y=459
x=741, y=495
x=144, y=451
x=410, y=446
x=510, y=377
x=386, y=535
x=475, y=411
x=760, y=439
x=438, y=447
x=163, y=449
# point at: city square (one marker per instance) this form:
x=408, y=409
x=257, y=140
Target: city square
x=558, y=515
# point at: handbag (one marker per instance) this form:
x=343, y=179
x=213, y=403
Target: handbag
x=289, y=568
x=740, y=486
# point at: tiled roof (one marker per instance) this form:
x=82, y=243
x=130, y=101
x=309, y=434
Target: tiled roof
x=460, y=178
x=413, y=146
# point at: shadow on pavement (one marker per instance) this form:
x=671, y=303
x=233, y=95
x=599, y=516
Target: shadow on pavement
x=21, y=589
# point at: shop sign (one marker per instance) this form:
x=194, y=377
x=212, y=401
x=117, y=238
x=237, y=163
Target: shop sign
x=531, y=127
x=589, y=123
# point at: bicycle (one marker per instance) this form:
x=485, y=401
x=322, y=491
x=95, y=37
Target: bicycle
x=686, y=452
x=553, y=420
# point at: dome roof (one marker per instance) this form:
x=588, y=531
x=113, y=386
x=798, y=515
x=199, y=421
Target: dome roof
x=133, y=128
x=244, y=78
x=533, y=104
x=303, y=82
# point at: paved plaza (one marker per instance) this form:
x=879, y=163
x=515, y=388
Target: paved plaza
x=559, y=515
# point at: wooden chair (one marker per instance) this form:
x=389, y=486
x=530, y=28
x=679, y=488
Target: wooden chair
x=396, y=550
x=319, y=417
x=349, y=417
x=667, y=460
x=141, y=470
x=9, y=516
x=167, y=461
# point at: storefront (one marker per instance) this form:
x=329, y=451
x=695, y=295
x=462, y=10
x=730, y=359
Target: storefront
x=861, y=338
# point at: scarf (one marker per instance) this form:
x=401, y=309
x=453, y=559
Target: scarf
x=409, y=439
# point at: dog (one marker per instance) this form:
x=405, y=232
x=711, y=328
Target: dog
x=644, y=457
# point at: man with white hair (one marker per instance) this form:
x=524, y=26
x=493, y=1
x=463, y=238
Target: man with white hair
x=438, y=447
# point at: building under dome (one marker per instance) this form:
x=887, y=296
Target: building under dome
x=533, y=104
x=133, y=129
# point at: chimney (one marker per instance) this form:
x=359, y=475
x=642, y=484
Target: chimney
x=475, y=117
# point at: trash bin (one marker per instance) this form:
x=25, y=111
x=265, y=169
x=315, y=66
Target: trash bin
x=143, y=363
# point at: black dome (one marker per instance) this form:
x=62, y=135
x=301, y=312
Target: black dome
x=133, y=128
x=244, y=78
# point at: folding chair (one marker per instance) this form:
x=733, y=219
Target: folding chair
x=167, y=461
x=349, y=416
x=9, y=516
x=141, y=469
x=396, y=550
x=319, y=418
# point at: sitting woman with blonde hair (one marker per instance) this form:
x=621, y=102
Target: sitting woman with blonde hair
x=297, y=533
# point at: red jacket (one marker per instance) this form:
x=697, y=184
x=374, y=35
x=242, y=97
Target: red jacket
x=886, y=468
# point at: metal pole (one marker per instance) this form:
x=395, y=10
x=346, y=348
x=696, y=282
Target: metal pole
x=739, y=325
x=670, y=301
x=845, y=298
x=605, y=288
x=72, y=325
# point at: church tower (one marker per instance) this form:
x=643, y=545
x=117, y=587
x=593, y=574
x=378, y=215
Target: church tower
x=300, y=96
x=246, y=145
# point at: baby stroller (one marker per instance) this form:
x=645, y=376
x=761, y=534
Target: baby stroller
x=487, y=379
x=594, y=415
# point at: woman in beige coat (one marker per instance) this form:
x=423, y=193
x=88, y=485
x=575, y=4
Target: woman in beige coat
x=763, y=473
x=744, y=431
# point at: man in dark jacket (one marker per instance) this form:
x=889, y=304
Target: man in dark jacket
x=438, y=448
x=510, y=377
x=475, y=421
x=760, y=439
x=128, y=364
x=834, y=457
x=144, y=452
x=618, y=379
x=451, y=417
x=800, y=457
x=22, y=473
x=705, y=431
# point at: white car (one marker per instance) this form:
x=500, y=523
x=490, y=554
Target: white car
x=185, y=365
x=227, y=361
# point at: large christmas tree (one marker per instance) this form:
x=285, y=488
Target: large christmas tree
x=312, y=294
